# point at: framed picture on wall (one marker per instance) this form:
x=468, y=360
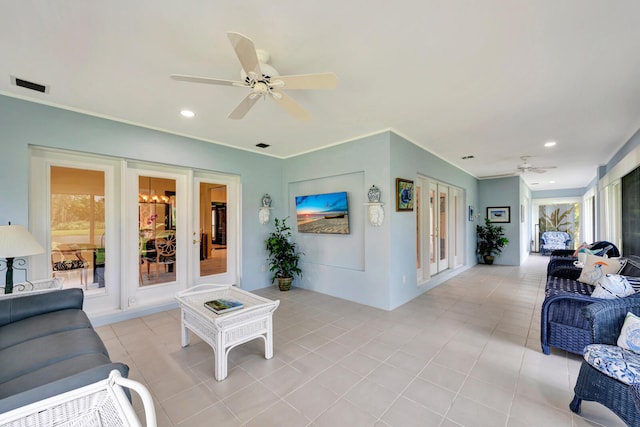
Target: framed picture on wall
x=404, y=195
x=499, y=214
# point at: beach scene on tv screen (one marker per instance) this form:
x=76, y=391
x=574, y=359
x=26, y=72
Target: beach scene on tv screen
x=323, y=213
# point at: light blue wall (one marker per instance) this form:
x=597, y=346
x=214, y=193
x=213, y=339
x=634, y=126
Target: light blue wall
x=504, y=192
x=379, y=159
x=24, y=123
x=629, y=146
x=362, y=275
x=566, y=192
x=408, y=161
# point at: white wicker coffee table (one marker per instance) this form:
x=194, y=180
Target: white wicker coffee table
x=225, y=331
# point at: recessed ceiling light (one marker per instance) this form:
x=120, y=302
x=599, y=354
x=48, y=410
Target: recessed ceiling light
x=187, y=113
x=550, y=144
x=552, y=182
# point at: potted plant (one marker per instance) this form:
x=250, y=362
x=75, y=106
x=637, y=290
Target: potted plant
x=491, y=240
x=283, y=255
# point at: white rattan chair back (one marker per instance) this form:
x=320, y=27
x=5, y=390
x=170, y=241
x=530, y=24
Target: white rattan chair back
x=99, y=404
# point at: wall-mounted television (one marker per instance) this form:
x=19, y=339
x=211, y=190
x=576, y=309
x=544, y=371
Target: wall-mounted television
x=323, y=213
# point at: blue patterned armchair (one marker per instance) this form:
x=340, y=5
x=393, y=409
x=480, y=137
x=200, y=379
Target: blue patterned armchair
x=553, y=240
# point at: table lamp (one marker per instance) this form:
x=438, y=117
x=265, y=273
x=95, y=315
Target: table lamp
x=16, y=241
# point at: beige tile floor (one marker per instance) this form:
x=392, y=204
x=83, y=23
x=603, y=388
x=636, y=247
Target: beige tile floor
x=465, y=353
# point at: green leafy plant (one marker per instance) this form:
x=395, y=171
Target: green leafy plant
x=556, y=220
x=491, y=238
x=283, y=252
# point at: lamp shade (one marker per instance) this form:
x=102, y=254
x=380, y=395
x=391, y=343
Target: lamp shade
x=16, y=241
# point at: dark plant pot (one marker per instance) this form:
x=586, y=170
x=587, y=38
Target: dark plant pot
x=488, y=259
x=284, y=283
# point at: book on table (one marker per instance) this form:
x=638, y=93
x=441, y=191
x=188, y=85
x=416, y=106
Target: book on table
x=223, y=305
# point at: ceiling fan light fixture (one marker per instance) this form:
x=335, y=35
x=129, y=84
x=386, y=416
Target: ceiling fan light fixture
x=266, y=69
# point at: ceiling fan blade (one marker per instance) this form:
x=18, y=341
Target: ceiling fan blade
x=290, y=105
x=241, y=110
x=307, y=81
x=208, y=80
x=246, y=53
x=541, y=169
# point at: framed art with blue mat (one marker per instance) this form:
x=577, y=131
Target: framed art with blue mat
x=404, y=195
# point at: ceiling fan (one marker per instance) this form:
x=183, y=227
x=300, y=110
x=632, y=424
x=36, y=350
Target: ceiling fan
x=522, y=168
x=263, y=80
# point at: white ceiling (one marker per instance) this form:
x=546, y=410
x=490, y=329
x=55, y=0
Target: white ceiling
x=494, y=79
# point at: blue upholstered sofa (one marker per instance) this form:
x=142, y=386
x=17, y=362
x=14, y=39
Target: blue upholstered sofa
x=552, y=240
x=47, y=347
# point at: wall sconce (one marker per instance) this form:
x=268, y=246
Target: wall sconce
x=263, y=213
x=472, y=213
x=376, y=211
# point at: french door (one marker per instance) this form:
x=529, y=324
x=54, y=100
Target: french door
x=73, y=211
x=131, y=234
x=214, y=250
x=440, y=227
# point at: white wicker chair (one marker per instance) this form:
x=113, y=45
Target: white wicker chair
x=99, y=404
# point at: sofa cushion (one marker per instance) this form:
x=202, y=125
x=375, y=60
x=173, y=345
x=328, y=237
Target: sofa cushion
x=38, y=353
x=558, y=285
x=615, y=362
x=42, y=325
x=632, y=267
x=24, y=306
x=596, y=267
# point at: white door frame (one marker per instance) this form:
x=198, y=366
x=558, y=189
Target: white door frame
x=232, y=275
x=106, y=299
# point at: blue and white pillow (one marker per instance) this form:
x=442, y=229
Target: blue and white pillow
x=612, y=286
x=634, y=282
x=629, y=337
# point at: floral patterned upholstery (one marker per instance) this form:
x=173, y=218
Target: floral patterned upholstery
x=552, y=240
x=615, y=362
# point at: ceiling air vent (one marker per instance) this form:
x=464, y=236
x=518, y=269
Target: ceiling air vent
x=29, y=85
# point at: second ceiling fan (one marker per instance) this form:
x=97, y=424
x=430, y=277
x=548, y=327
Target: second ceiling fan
x=522, y=168
x=263, y=80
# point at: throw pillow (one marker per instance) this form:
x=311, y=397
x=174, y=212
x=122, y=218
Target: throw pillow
x=612, y=286
x=629, y=337
x=632, y=267
x=583, y=245
x=595, y=267
x=634, y=282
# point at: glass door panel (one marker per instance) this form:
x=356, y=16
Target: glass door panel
x=433, y=229
x=214, y=249
x=443, y=232
x=157, y=212
x=213, y=229
x=77, y=226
